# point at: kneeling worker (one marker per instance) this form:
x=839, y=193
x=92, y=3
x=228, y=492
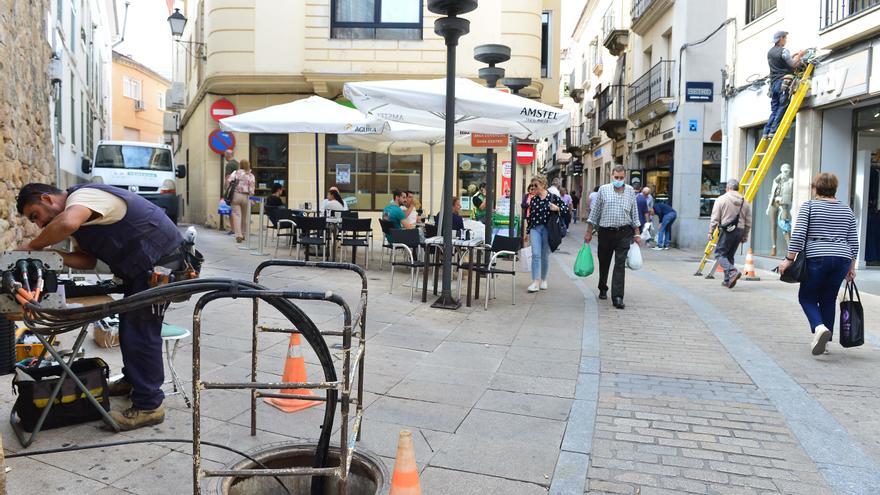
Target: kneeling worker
x=131, y=235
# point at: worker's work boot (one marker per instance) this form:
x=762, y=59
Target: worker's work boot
x=133, y=418
x=119, y=388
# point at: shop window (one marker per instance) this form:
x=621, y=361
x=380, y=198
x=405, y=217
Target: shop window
x=868, y=155
x=376, y=19
x=771, y=208
x=710, y=186
x=472, y=168
x=366, y=180
x=657, y=166
x=269, y=162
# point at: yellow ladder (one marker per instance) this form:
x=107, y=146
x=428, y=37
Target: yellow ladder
x=763, y=157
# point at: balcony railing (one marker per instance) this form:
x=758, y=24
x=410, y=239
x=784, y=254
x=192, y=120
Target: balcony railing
x=653, y=85
x=639, y=7
x=608, y=22
x=573, y=138
x=834, y=11
x=611, y=104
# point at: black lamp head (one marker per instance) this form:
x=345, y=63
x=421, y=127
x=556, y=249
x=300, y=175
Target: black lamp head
x=451, y=7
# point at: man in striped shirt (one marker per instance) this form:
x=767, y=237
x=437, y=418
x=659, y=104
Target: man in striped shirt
x=615, y=215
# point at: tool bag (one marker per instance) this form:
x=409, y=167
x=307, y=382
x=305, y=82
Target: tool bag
x=34, y=387
x=852, y=317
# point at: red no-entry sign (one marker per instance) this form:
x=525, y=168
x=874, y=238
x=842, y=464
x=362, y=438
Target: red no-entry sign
x=525, y=153
x=221, y=109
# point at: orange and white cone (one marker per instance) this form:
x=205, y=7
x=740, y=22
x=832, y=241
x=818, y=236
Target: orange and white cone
x=405, y=480
x=294, y=372
x=749, y=270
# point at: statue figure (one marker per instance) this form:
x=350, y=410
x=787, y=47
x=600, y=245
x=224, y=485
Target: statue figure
x=779, y=207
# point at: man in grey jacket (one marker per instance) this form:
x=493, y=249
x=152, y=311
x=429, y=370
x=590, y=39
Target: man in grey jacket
x=731, y=215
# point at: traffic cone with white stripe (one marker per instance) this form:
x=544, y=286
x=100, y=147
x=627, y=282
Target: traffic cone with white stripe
x=405, y=480
x=749, y=270
x=294, y=372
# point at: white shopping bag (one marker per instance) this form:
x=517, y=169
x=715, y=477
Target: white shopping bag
x=634, y=257
x=525, y=259
x=648, y=232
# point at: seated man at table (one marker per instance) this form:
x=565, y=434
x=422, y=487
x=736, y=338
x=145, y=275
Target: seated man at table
x=412, y=216
x=457, y=221
x=395, y=213
x=274, y=200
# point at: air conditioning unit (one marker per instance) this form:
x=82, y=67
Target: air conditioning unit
x=174, y=96
x=56, y=71
x=171, y=122
x=139, y=106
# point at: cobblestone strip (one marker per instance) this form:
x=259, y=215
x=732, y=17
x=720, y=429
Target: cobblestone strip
x=839, y=458
x=572, y=465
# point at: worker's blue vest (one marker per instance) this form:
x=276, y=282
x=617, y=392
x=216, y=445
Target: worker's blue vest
x=133, y=245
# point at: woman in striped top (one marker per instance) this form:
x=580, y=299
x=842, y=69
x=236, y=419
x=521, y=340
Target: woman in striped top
x=826, y=234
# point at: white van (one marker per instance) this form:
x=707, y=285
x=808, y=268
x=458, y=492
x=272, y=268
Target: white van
x=143, y=168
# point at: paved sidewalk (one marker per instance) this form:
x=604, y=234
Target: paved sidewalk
x=692, y=389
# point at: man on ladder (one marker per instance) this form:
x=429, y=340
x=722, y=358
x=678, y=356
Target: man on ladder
x=782, y=65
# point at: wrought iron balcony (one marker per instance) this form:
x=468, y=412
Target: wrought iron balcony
x=834, y=11
x=645, y=13
x=614, y=38
x=653, y=86
x=574, y=139
x=612, y=111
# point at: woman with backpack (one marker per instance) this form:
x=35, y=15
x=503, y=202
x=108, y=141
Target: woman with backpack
x=826, y=235
x=243, y=184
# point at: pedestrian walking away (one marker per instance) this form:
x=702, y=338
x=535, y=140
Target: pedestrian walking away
x=575, y=205
x=543, y=206
x=131, y=235
x=566, y=198
x=667, y=217
x=615, y=216
x=241, y=204
x=825, y=233
x=731, y=215
x=782, y=64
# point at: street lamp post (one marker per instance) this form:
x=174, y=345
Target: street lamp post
x=451, y=28
x=516, y=84
x=491, y=54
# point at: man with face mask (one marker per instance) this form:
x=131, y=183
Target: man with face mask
x=131, y=235
x=615, y=215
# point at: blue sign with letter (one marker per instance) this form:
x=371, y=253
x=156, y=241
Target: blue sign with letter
x=702, y=92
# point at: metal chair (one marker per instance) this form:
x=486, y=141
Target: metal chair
x=348, y=214
x=408, y=240
x=387, y=227
x=311, y=232
x=172, y=333
x=281, y=221
x=356, y=233
x=502, y=247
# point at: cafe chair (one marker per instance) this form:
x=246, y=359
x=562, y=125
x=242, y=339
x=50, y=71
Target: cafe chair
x=355, y=233
x=311, y=231
x=281, y=222
x=386, y=245
x=503, y=248
x=410, y=243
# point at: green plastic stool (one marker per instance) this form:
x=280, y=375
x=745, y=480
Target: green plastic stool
x=173, y=333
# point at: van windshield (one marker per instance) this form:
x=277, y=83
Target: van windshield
x=133, y=157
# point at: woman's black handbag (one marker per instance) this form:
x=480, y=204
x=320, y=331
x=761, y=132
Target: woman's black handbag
x=230, y=191
x=797, y=269
x=554, y=231
x=852, y=317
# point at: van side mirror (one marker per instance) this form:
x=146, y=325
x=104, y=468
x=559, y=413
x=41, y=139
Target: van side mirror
x=86, y=166
x=181, y=171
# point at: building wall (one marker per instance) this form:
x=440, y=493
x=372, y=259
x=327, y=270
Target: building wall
x=262, y=52
x=80, y=38
x=149, y=121
x=25, y=119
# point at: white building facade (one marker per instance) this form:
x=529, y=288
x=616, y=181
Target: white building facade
x=838, y=127
x=80, y=33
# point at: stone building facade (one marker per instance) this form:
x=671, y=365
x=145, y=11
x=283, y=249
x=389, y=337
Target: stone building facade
x=25, y=119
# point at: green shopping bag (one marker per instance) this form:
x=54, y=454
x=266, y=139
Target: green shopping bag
x=583, y=265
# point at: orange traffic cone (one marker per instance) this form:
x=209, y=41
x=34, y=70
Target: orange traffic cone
x=294, y=371
x=749, y=270
x=405, y=480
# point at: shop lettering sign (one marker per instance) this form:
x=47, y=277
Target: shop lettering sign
x=841, y=78
x=653, y=131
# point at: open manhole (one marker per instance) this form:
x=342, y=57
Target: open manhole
x=367, y=475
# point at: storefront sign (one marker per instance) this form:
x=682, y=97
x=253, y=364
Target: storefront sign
x=702, y=92
x=525, y=154
x=577, y=167
x=343, y=173
x=842, y=78
x=221, y=109
x=693, y=125
x=220, y=141
x=505, y=177
x=489, y=140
